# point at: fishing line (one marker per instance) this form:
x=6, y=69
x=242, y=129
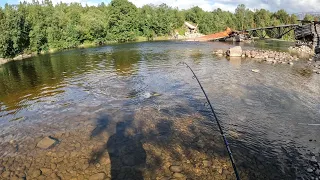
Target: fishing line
x=217, y=120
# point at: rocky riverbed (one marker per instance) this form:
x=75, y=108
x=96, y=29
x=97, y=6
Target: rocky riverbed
x=149, y=144
x=163, y=148
x=274, y=57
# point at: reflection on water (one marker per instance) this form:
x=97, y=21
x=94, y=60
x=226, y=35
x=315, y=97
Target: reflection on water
x=22, y=83
x=277, y=45
x=260, y=112
x=125, y=62
x=235, y=61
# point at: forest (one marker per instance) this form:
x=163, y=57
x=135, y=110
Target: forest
x=43, y=26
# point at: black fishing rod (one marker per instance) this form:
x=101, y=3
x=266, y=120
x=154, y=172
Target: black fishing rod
x=217, y=120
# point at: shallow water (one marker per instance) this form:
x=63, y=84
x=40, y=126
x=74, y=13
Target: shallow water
x=264, y=115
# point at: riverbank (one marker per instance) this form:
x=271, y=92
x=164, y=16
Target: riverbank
x=17, y=58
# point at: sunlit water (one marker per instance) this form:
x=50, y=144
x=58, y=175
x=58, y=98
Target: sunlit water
x=265, y=114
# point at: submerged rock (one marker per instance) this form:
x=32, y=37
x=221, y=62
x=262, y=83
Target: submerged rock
x=5, y=174
x=35, y=173
x=46, y=171
x=313, y=159
x=309, y=170
x=179, y=175
x=98, y=176
x=175, y=169
x=206, y=163
x=46, y=143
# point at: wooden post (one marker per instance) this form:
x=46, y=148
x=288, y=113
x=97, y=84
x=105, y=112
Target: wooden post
x=279, y=33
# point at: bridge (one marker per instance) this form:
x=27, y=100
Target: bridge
x=276, y=32
x=308, y=32
x=272, y=31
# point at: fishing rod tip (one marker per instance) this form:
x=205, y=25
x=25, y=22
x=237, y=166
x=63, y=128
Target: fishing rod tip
x=179, y=63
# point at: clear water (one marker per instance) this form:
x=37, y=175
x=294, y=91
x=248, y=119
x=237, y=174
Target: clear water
x=264, y=115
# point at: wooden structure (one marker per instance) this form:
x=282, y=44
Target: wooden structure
x=191, y=28
x=216, y=36
x=309, y=33
x=273, y=31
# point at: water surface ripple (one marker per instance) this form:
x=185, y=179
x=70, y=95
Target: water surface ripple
x=264, y=114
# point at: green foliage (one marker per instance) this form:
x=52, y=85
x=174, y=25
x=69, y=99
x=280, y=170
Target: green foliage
x=42, y=26
x=309, y=17
x=14, y=31
x=122, y=21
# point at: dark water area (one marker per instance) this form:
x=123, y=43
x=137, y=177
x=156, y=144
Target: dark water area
x=271, y=44
x=136, y=94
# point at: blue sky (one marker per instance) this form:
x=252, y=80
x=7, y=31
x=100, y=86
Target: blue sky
x=291, y=6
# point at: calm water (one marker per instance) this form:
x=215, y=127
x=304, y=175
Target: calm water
x=264, y=114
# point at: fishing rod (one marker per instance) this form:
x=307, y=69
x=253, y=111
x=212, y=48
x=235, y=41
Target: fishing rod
x=217, y=120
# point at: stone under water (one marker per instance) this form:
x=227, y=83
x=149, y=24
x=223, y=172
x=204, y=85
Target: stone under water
x=46, y=143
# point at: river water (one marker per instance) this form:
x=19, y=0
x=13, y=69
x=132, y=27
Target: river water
x=108, y=103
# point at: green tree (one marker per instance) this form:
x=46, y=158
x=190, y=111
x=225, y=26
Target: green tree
x=42, y=26
x=194, y=14
x=15, y=31
x=282, y=16
x=122, y=21
x=240, y=14
x=308, y=17
x=38, y=26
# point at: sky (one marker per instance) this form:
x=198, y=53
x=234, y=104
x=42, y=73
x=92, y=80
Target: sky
x=291, y=6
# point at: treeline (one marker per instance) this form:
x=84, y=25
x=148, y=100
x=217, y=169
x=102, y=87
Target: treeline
x=40, y=27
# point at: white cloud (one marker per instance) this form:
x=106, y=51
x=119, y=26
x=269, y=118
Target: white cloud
x=292, y=6
x=300, y=5
x=181, y=4
x=83, y=2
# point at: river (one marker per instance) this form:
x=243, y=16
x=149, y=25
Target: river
x=129, y=110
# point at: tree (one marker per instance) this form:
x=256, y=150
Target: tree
x=43, y=26
x=262, y=18
x=38, y=27
x=308, y=17
x=282, y=16
x=240, y=14
x=122, y=21
x=15, y=31
x=194, y=15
